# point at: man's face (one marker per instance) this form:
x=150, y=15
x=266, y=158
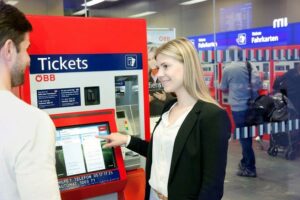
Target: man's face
x=22, y=60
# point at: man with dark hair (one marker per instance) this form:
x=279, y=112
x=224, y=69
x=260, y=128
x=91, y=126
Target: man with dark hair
x=235, y=82
x=27, y=134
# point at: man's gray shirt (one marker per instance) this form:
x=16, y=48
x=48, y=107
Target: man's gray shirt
x=235, y=80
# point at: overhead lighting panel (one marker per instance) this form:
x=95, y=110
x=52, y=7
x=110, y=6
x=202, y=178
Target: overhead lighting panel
x=191, y=2
x=80, y=12
x=12, y=2
x=142, y=14
x=93, y=2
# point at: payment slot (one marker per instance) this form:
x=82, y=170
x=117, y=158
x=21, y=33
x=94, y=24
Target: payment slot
x=128, y=115
x=84, y=168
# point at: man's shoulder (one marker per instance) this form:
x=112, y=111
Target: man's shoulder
x=235, y=68
x=234, y=65
x=23, y=109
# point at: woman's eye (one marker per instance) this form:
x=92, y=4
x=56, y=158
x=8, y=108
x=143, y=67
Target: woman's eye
x=165, y=66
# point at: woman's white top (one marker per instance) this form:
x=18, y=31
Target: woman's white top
x=162, y=150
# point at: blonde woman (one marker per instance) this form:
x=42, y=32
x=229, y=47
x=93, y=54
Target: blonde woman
x=186, y=156
x=157, y=96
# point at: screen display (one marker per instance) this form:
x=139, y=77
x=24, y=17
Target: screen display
x=79, y=151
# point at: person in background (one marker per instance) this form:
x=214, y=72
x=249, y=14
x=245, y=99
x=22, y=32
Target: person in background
x=157, y=96
x=289, y=85
x=27, y=135
x=187, y=154
x=235, y=82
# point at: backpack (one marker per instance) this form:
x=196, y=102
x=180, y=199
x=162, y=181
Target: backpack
x=266, y=105
x=258, y=110
x=283, y=108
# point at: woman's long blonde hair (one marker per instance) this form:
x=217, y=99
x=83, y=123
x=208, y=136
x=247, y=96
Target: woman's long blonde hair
x=183, y=51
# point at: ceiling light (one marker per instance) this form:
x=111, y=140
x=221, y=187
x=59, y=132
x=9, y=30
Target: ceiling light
x=191, y=2
x=142, y=14
x=12, y=2
x=93, y=2
x=80, y=12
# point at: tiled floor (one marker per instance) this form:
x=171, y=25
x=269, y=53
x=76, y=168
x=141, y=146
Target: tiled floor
x=278, y=178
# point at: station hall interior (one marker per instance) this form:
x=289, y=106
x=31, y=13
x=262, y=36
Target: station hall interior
x=272, y=45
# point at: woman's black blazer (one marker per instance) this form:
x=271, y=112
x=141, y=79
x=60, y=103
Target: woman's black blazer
x=199, y=156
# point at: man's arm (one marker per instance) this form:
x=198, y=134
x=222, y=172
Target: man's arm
x=224, y=86
x=256, y=81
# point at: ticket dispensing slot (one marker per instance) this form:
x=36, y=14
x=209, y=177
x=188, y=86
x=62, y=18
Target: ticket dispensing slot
x=92, y=95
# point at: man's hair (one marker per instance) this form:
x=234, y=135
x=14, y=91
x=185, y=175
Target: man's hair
x=13, y=25
x=235, y=53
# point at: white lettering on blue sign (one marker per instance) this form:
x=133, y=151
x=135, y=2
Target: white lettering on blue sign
x=256, y=33
x=60, y=64
x=207, y=44
x=201, y=40
x=281, y=22
x=263, y=39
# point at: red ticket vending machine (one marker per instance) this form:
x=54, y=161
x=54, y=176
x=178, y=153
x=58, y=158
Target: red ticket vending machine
x=208, y=75
x=82, y=64
x=84, y=168
x=79, y=65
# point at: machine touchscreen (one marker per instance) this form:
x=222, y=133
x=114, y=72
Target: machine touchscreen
x=79, y=151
